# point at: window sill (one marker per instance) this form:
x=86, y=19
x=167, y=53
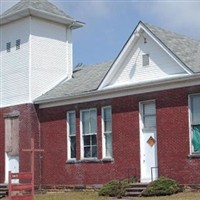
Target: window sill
x=193, y=156
x=90, y=160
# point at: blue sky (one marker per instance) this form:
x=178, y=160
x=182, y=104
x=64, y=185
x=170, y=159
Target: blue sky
x=110, y=23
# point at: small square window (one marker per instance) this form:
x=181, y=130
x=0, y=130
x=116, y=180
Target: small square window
x=18, y=42
x=145, y=60
x=8, y=47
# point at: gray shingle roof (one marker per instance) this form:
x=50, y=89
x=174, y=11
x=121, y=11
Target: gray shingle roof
x=88, y=78
x=41, y=5
x=39, y=8
x=85, y=79
x=186, y=49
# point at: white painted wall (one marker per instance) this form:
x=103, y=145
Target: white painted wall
x=44, y=59
x=14, y=65
x=49, y=55
x=132, y=71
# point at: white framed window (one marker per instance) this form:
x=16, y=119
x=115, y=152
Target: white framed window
x=107, y=132
x=89, y=133
x=194, y=105
x=148, y=115
x=71, y=134
x=145, y=60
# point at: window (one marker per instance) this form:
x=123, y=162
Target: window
x=149, y=115
x=8, y=47
x=71, y=122
x=145, y=60
x=195, y=122
x=107, y=131
x=89, y=133
x=18, y=42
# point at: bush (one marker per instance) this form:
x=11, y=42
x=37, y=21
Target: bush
x=114, y=188
x=161, y=187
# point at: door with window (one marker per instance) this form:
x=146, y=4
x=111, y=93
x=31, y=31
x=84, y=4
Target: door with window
x=148, y=142
x=11, y=146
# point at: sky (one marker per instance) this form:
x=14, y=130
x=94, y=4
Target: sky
x=109, y=23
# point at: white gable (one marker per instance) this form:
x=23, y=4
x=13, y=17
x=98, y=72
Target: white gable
x=128, y=67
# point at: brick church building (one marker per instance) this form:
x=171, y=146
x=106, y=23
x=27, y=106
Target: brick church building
x=137, y=116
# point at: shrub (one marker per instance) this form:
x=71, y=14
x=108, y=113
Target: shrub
x=161, y=187
x=114, y=188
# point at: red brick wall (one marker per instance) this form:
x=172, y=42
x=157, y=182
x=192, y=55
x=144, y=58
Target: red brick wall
x=173, y=141
x=28, y=127
x=172, y=136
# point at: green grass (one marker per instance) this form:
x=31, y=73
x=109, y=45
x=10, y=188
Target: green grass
x=69, y=196
x=179, y=196
x=94, y=196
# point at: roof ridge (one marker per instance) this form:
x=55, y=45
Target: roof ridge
x=183, y=47
x=148, y=25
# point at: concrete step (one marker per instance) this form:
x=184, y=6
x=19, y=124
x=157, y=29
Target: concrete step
x=3, y=190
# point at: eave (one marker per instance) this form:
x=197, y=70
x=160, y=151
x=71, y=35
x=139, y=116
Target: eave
x=41, y=14
x=126, y=90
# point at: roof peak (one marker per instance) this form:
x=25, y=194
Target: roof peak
x=184, y=48
x=40, y=5
x=39, y=8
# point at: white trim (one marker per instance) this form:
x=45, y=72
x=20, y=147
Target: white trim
x=68, y=136
x=42, y=14
x=103, y=134
x=125, y=90
x=30, y=59
x=170, y=53
x=139, y=30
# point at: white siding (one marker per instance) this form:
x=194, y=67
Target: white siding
x=14, y=65
x=49, y=59
x=43, y=60
x=132, y=71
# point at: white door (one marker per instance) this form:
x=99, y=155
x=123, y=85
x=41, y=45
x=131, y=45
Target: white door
x=11, y=164
x=148, y=142
x=11, y=146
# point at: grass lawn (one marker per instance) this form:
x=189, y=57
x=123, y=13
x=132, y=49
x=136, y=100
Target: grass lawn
x=94, y=196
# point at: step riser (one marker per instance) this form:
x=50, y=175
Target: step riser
x=135, y=189
x=3, y=190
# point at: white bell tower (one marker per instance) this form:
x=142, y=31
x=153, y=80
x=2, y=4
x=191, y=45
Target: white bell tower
x=35, y=50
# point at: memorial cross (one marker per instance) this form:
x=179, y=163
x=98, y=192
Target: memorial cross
x=32, y=150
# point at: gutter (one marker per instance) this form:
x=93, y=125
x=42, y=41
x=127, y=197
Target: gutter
x=41, y=14
x=120, y=91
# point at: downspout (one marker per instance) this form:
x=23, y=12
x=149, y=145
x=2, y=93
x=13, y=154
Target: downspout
x=69, y=50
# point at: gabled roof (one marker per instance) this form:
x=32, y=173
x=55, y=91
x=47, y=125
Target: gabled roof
x=186, y=49
x=39, y=8
x=85, y=79
x=88, y=79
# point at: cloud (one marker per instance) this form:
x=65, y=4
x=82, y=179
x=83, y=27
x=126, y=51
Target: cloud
x=179, y=16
